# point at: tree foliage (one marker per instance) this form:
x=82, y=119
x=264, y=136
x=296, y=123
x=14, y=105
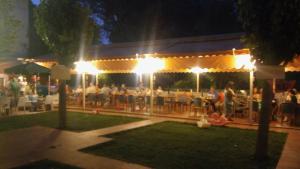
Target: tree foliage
x=36, y=46
x=272, y=28
x=66, y=27
x=135, y=20
x=9, y=26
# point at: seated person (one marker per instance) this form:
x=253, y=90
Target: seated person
x=123, y=89
x=114, y=89
x=105, y=90
x=293, y=96
x=220, y=103
x=159, y=91
x=91, y=89
x=214, y=96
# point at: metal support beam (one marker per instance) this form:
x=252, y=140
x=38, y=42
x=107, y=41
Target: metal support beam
x=152, y=93
x=83, y=91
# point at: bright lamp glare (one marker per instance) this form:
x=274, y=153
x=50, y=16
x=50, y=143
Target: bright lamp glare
x=149, y=65
x=244, y=61
x=86, y=67
x=199, y=70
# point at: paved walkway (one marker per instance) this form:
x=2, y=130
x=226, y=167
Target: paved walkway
x=290, y=157
x=22, y=146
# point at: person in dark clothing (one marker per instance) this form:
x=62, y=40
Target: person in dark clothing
x=293, y=96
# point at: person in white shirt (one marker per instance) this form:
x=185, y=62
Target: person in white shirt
x=91, y=89
x=123, y=89
x=114, y=89
x=78, y=90
x=105, y=90
x=159, y=91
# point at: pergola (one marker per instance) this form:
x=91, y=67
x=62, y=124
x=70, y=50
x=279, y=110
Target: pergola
x=218, y=53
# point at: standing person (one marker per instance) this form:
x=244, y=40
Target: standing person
x=106, y=91
x=122, y=96
x=229, y=100
x=257, y=96
x=293, y=96
x=160, y=98
x=14, y=88
x=114, y=93
x=78, y=94
x=220, y=103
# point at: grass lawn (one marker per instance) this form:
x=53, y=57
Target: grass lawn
x=75, y=121
x=46, y=164
x=172, y=145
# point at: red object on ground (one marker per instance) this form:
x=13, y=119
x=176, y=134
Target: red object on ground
x=217, y=120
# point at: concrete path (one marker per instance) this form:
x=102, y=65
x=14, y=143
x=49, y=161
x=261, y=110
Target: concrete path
x=120, y=128
x=290, y=157
x=22, y=146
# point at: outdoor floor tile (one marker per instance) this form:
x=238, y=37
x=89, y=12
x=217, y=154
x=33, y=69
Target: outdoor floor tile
x=88, y=161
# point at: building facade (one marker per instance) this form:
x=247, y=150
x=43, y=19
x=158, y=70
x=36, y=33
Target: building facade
x=14, y=33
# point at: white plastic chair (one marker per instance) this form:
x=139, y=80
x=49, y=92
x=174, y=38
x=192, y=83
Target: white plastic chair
x=55, y=100
x=2, y=103
x=22, y=103
x=7, y=105
x=49, y=101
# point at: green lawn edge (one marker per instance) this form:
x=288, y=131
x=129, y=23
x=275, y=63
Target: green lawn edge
x=179, y=145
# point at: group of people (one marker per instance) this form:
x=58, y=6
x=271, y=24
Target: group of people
x=216, y=102
x=223, y=102
x=113, y=94
x=113, y=89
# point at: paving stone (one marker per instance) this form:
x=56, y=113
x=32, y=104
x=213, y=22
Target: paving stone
x=89, y=161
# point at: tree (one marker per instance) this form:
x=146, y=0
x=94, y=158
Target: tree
x=272, y=34
x=136, y=20
x=9, y=26
x=36, y=46
x=66, y=27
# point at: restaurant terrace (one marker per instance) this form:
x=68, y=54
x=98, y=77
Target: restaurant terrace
x=206, y=54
